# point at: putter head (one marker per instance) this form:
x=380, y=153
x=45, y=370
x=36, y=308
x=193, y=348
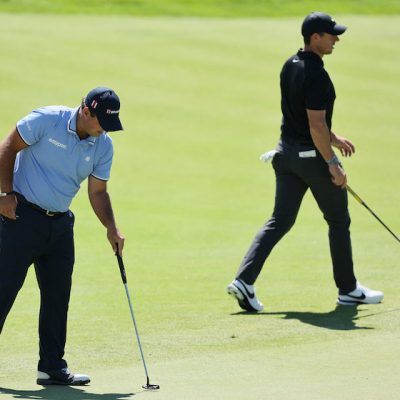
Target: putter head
x=150, y=386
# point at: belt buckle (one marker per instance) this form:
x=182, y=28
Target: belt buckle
x=50, y=213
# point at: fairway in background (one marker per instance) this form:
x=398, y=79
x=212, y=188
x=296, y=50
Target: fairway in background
x=200, y=103
x=204, y=8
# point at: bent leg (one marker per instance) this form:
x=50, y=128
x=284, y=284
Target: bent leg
x=289, y=194
x=16, y=255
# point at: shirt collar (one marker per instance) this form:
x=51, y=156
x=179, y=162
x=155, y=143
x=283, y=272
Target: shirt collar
x=71, y=128
x=310, y=55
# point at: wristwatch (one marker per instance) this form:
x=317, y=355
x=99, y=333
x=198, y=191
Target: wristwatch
x=4, y=194
x=333, y=161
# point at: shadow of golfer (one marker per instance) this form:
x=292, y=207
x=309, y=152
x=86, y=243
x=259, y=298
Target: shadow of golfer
x=63, y=393
x=342, y=318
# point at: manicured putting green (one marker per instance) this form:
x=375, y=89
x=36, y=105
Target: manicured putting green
x=200, y=103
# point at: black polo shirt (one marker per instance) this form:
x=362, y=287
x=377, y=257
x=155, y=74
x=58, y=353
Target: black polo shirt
x=304, y=85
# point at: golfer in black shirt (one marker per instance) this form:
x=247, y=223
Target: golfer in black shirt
x=305, y=158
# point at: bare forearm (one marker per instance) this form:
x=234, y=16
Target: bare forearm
x=7, y=160
x=101, y=205
x=9, y=148
x=321, y=137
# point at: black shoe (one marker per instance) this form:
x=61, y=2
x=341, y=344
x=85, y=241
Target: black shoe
x=61, y=377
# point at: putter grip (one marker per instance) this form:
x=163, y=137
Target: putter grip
x=121, y=267
x=354, y=194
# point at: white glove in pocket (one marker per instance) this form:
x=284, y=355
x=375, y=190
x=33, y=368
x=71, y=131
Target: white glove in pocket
x=268, y=156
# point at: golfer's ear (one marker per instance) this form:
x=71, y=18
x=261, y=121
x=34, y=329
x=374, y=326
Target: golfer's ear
x=315, y=36
x=86, y=111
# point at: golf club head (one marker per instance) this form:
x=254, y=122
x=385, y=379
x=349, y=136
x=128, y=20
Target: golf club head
x=150, y=386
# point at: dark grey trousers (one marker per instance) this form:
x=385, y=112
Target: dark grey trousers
x=294, y=175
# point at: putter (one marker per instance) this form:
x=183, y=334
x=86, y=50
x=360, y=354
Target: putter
x=358, y=198
x=148, y=385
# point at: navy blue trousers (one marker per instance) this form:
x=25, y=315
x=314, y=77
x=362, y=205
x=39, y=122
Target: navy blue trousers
x=48, y=243
x=294, y=176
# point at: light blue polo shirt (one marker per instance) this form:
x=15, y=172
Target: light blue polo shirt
x=50, y=170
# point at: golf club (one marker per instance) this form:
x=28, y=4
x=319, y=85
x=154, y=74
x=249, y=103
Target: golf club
x=124, y=280
x=358, y=198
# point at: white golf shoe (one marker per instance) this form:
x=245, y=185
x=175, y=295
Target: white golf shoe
x=61, y=377
x=245, y=295
x=360, y=295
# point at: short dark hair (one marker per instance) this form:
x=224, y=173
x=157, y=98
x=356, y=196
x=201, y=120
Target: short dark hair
x=83, y=105
x=307, y=39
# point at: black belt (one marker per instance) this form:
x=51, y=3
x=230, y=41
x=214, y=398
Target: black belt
x=23, y=200
x=295, y=142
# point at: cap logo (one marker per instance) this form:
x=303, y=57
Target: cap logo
x=112, y=111
x=94, y=104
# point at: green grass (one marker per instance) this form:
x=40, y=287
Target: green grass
x=200, y=102
x=204, y=8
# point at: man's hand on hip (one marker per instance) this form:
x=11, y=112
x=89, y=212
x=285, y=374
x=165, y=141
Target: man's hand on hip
x=8, y=205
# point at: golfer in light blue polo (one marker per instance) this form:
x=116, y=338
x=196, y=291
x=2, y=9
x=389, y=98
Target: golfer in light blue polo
x=42, y=164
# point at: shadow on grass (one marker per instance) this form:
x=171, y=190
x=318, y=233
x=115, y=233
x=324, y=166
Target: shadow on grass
x=341, y=318
x=63, y=393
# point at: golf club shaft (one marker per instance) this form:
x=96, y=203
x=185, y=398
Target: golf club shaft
x=358, y=198
x=136, y=330
x=124, y=280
